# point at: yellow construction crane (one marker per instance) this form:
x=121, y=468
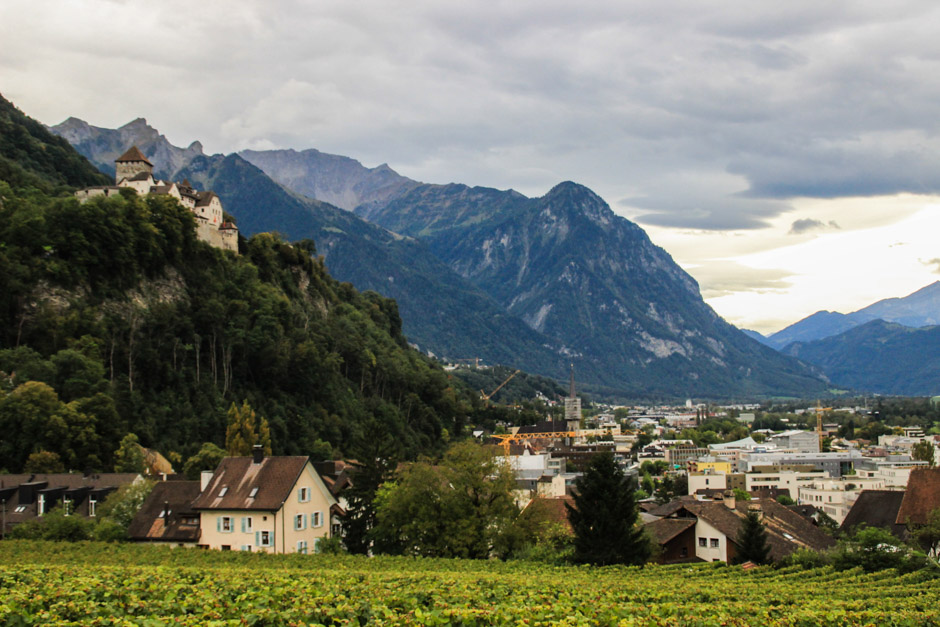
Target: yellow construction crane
x=508, y=438
x=819, y=425
x=486, y=397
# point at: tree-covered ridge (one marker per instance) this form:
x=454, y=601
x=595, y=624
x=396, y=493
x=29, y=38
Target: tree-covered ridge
x=131, y=324
x=32, y=156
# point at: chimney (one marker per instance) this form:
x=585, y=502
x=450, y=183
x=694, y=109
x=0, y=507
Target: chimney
x=729, y=500
x=204, y=480
x=166, y=510
x=257, y=452
x=756, y=508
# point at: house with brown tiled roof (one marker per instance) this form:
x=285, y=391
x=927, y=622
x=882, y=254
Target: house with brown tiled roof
x=167, y=515
x=718, y=523
x=270, y=504
x=25, y=497
x=877, y=508
x=133, y=170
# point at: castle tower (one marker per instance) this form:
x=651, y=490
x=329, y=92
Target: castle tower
x=130, y=164
x=572, y=406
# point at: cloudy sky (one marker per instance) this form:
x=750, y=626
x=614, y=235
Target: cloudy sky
x=786, y=154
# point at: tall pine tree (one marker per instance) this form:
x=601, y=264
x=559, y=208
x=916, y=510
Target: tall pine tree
x=604, y=517
x=752, y=541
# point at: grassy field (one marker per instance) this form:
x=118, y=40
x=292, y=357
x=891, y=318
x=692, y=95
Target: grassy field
x=108, y=584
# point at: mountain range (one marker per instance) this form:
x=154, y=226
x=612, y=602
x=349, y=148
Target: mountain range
x=534, y=283
x=920, y=309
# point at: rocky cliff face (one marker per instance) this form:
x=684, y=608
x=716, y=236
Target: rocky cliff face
x=339, y=181
x=594, y=284
x=102, y=146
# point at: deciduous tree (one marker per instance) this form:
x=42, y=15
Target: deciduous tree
x=457, y=508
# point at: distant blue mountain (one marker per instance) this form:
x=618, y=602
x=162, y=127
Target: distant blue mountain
x=920, y=309
x=878, y=357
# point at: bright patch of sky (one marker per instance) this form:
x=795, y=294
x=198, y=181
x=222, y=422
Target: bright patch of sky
x=777, y=150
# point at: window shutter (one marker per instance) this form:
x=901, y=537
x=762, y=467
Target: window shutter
x=305, y=522
x=218, y=524
x=257, y=538
x=243, y=525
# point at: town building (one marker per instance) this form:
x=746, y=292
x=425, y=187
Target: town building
x=689, y=530
x=25, y=497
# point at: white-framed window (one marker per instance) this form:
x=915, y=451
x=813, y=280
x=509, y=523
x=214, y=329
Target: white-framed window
x=303, y=495
x=42, y=504
x=264, y=538
x=316, y=519
x=66, y=506
x=300, y=522
x=714, y=543
x=223, y=491
x=20, y=509
x=225, y=524
x=302, y=546
x=246, y=524
x=92, y=505
x=253, y=493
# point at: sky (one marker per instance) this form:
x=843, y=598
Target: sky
x=785, y=154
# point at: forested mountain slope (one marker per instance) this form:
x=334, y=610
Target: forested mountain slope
x=114, y=318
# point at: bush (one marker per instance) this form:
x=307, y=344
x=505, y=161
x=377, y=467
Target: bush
x=331, y=546
x=55, y=525
x=872, y=549
x=806, y=559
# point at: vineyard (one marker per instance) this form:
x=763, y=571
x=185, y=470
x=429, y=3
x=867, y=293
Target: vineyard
x=107, y=584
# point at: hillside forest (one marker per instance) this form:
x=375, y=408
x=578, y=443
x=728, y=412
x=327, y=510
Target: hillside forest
x=115, y=319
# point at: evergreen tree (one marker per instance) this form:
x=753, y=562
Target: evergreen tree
x=378, y=455
x=245, y=430
x=752, y=541
x=604, y=517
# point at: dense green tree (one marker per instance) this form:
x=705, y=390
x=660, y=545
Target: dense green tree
x=928, y=535
x=457, y=508
x=377, y=460
x=123, y=504
x=671, y=487
x=752, y=541
x=207, y=458
x=45, y=462
x=872, y=549
x=924, y=451
x=605, y=516
x=129, y=457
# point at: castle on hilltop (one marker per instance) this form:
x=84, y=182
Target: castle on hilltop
x=132, y=170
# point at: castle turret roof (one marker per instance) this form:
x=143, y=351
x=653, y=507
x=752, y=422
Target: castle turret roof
x=133, y=154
